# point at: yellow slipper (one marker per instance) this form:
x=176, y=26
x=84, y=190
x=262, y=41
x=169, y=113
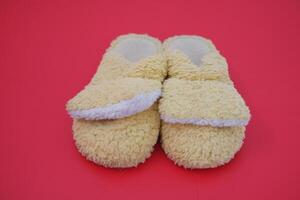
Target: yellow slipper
x=116, y=121
x=203, y=114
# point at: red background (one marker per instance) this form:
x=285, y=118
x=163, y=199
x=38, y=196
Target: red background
x=50, y=49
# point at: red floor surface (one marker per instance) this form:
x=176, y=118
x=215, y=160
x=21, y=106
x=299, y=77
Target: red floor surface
x=50, y=49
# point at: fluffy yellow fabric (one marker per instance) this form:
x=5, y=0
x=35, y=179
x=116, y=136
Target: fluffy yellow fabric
x=200, y=91
x=118, y=143
x=118, y=78
x=193, y=146
x=109, y=92
x=128, y=141
x=213, y=66
x=114, y=66
x=202, y=100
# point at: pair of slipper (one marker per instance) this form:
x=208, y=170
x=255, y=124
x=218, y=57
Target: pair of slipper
x=184, y=82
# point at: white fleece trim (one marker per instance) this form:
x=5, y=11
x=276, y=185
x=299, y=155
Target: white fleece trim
x=122, y=109
x=207, y=122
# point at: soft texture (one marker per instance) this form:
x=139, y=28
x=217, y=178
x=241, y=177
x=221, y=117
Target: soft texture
x=118, y=78
x=200, y=91
x=122, y=109
x=201, y=102
x=203, y=122
x=113, y=99
x=122, y=94
x=118, y=143
x=203, y=114
x=194, y=146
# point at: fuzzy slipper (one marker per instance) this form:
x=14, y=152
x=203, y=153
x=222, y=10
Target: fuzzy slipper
x=116, y=121
x=204, y=115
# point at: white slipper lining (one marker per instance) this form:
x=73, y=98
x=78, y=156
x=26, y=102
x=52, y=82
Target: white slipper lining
x=136, y=48
x=194, y=47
